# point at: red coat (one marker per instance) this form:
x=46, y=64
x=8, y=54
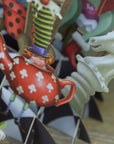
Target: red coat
x=105, y=6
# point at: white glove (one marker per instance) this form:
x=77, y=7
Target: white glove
x=103, y=43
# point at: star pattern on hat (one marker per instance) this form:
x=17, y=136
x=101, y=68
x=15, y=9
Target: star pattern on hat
x=23, y=73
x=89, y=7
x=40, y=76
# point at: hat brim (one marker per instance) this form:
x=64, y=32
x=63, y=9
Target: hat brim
x=31, y=50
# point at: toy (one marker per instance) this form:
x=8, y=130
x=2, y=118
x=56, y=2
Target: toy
x=93, y=73
x=33, y=82
x=20, y=72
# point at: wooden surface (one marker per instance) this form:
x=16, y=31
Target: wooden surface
x=61, y=138
x=99, y=132
x=9, y=140
x=102, y=132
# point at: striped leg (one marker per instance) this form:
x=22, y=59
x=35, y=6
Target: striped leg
x=43, y=22
x=12, y=99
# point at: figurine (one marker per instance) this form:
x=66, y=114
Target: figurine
x=87, y=20
x=91, y=23
x=33, y=81
x=93, y=73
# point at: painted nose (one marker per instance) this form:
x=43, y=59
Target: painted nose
x=45, y=2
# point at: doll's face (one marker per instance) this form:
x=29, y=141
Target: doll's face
x=38, y=60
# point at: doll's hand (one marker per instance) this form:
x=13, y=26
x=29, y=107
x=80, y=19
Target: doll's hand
x=103, y=43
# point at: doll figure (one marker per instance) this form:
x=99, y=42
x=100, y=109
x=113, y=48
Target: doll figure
x=36, y=63
x=37, y=59
x=45, y=13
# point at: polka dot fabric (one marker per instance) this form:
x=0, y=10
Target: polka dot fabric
x=14, y=17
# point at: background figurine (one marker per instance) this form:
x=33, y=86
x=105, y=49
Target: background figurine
x=14, y=17
x=86, y=22
x=2, y=134
x=98, y=70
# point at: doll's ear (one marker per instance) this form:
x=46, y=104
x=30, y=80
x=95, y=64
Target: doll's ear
x=49, y=60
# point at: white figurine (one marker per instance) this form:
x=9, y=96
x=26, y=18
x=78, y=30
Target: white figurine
x=2, y=135
x=93, y=73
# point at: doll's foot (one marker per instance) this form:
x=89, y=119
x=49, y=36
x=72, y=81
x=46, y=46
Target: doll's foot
x=19, y=125
x=4, y=113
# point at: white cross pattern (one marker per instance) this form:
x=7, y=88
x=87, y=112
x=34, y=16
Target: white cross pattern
x=27, y=61
x=12, y=75
x=54, y=77
x=23, y=73
x=16, y=61
x=40, y=76
x=45, y=99
x=2, y=66
x=32, y=88
x=10, y=66
x=2, y=55
x=4, y=46
x=20, y=90
x=50, y=87
x=56, y=98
